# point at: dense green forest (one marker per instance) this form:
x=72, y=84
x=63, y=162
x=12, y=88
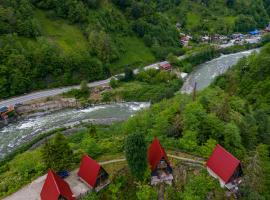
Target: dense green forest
x=49, y=43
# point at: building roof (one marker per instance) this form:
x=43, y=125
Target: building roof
x=222, y=163
x=165, y=65
x=156, y=153
x=54, y=187
x=254, y=32
x=89, y=170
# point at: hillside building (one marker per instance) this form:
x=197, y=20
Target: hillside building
x=55, y=188
x=225, y=167
x=159, y=164
x=93, y=174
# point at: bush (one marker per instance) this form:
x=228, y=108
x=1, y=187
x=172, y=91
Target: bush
x=90, y=146
x=114, y=83
x=129, y=75
x=265, y=39
x=146, y=192
x=82, y=93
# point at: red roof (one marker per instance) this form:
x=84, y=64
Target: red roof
x=54, y=187
x=156, y=153
x=89, y=170
x=166, y=65
x=222, y=163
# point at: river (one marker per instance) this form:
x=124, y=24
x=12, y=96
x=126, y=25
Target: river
x=16, y=134
x=205, y=73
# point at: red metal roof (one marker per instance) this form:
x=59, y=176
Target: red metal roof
x=54, y=186
x=222, y=163
x=89, y=170
x=166, y=65
x=156, y=153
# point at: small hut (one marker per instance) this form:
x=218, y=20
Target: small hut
x=93, y=174
x=225, y=167
x=159, y=163
x=56, y=188
x=165, y=66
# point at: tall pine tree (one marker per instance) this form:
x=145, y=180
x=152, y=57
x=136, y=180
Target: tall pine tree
x=136, y=154
x=56, y=153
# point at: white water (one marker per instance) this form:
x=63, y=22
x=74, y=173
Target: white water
x=205, y=73
x=18, y=133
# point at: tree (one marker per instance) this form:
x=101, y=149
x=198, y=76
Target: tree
x=93, y=3
x=245, y=23
x=90, y=146
x=114, y=83
x=136, y=154
x=189, y=141
x=56, y=153
x=257, y=170
x=77, y=12
x=102, y=46
x=208, y=147
x=129, y=75
x=232, y=140
x=84, y=87
x=92, y=130
x=173, y=59
x=199, y=187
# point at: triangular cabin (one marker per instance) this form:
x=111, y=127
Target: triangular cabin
x=225, y=167
x=55, y=188
x=93, y=174
x=159, y=163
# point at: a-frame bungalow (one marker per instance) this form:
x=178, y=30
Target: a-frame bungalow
x=55, y=188
x=225, y=167
x=93, y=174
x=159, y=164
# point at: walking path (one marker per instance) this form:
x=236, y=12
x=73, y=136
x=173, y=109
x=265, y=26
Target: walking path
x=186, y=159
x=32, y=190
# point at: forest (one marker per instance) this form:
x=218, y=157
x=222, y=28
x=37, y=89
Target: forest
x=50, y=43
x=233, y=112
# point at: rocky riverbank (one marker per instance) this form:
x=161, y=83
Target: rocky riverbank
x=41, y=107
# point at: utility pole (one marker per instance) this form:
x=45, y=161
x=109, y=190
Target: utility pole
x=194, y=92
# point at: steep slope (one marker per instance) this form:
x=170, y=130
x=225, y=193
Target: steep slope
x=80, y=38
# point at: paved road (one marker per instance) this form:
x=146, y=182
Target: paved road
x=56, y=91
x=46, y=93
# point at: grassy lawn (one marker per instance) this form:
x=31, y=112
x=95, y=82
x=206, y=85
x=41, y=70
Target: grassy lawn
x=136, y=53
x=68, y=37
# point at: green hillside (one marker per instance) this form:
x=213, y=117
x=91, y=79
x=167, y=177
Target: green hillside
x=89, y=39
x=69, y=37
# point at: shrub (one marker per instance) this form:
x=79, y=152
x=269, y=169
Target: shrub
x=265, y=38
x=114, y=83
